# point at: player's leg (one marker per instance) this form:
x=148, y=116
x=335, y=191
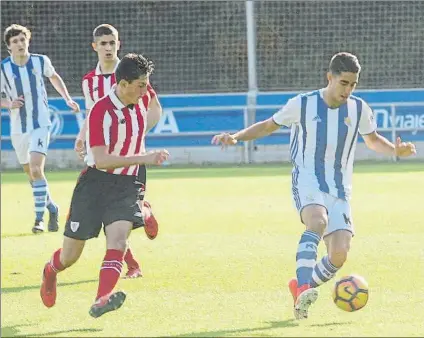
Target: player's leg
x=337, y=239
x=134, y=269
x=61, y=259
x=39, y=141
x=314, y=216
x=83, y=222
x=120, y=207
x=116, y=240
x=309, y=201
x=20, y=143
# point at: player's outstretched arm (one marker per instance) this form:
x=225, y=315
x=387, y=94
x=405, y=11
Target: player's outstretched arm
x=58, y=84
x=253, y=132
x=380, y=144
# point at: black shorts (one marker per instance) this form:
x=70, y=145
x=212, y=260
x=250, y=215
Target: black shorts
x=101, y=198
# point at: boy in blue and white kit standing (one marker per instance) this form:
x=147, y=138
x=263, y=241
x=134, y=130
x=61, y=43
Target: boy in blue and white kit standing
x=24, y=95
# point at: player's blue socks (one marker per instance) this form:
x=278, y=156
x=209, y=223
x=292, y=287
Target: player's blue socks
x=51, y=206
x=39, y=191
x=306, y=256
x=323, y=272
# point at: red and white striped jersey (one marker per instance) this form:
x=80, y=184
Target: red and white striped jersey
x=95, y=85
x=120, y=128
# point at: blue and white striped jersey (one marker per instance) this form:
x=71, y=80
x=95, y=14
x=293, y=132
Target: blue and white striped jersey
x=27, y=81
x=323, y=139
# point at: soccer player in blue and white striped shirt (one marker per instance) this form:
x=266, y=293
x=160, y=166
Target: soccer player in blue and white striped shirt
x=23, y=88
x=324, y=128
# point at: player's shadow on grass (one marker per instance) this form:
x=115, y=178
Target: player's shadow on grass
x=247, y=331
x=330, y=324
x=36, y=287
x=26, y=234
x=14, y=331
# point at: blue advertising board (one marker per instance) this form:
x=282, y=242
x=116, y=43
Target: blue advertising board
x=190, y=120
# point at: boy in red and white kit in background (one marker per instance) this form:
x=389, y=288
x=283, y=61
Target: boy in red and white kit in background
x=96, y=84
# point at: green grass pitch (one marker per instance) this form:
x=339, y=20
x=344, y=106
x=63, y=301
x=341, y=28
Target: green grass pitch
x=220, y=264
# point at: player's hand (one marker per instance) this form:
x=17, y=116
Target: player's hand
x=156, y=157
x=17, y=103
x=225, y=139
x=79, y=148
x=404, y=149
x=73, y=105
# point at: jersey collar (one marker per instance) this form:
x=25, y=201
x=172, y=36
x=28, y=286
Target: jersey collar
x=99, y=70
x=115, y=100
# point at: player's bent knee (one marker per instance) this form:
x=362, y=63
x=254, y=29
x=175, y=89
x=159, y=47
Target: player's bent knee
x=35, y=171
x=117, y=235
x=315, y=218
x=71, y=251
x=317, y=223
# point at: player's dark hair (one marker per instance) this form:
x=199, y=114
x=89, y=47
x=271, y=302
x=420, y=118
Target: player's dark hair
x=15, y=30
x=132, y=66
x=105, y=29
x=344, y=62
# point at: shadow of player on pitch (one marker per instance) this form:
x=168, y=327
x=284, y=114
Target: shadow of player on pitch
x=249, y=331
x=14, y=331
x=221, y=333
x=36, y=287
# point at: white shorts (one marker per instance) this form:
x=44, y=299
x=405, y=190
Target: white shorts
x=37, y=140
x=306, y=192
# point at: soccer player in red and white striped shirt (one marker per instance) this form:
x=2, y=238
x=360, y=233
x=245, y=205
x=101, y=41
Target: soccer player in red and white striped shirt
x=95, y=85
x=106, y=193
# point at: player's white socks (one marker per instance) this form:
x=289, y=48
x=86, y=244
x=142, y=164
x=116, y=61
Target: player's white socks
x=306, y=256
x=323, y=272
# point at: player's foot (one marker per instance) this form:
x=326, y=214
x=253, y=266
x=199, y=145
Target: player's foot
x=109, y=302
x=305, y=299
x=150, y=222
x=38, y=227
x=133, y=272
x=53, y=224
x=48, y=286
x=293, y=288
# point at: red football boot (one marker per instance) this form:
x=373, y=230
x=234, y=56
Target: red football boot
x=48, y=286
x=150, y=222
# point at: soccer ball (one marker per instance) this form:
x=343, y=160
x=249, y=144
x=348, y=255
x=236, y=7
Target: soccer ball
x=351, y=293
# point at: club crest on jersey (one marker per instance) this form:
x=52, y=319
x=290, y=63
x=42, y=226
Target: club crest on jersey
x=122, y=121
x=33, y=71
x=348, y=121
